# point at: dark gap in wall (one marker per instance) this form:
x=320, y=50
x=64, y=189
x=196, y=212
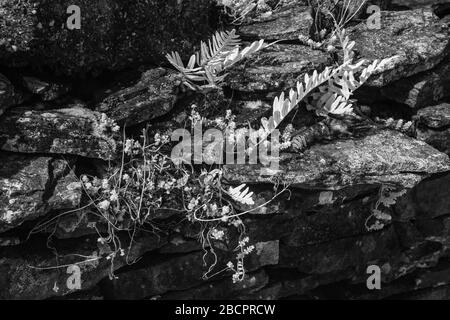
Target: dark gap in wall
x=442, y=10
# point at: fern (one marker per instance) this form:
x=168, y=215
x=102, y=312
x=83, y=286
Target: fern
x=283, y=106
x=335, y=86
x=218, y=48
x=387, y=197
x=240, y=195
x=220, y=53
x=334, y=97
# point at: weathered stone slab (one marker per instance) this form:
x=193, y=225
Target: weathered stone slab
x=435, y=117
x=385, y=156
x=182, y=273
x=223, y=289
x=32, y=186
x=417, y=3
x=301, y=222
x=276, y=68
x=434, y=126
x=354, y=253
x=423, y=89
x=285, y=24
x=152, y=96
x=33, y=272
x=416, y=39
x=75, y=131
x=428, y=200
x=438, y=139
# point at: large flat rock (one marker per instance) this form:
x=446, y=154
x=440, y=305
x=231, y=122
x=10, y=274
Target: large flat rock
x=435, y=117
x=33, y=186
x=430, y=199
x=418, y=3
x=434, y=126
x=416, y=39
x=423, y=89
x=74, y=131
x=383, y=157
x=34, y=272
x=306, y=217
x=286, y=23
x=184, y=272
x=153, y=95
x=276, y=68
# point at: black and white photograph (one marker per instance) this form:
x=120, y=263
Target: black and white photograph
x=231, y=157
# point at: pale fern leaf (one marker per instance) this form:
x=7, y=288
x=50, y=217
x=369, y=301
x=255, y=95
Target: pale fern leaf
x=219, y=46
x=283, y=106
x=241, y=195
x=221, y=52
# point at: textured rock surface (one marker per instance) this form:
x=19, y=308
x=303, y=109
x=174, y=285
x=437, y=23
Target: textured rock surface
x=75, y=131
x=419, y=205
x=222, y=288
x=435, y=126
x=113, y=34
x=435, y=117
x=386, y=156
x=284, y=24
x=305, y=219
x=416, y=39
x=181, y=273
x=417, y=3
x=36, y=274
x=32, y=186
x=311, y=242
x=423, y=89
x=152, y=96
x=276, y=68
x=437, y=139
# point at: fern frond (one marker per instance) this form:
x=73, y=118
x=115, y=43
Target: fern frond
x=218, y=48
x=335, y=86
x=338, y=106
x=220, y=53
x=283, y=106
x=241, y=195
x=247, y=51
x=334, y=97
x=190, y=72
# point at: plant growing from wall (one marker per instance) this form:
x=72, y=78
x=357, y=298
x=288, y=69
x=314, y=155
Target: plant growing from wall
x=387, y=198
x=206, y=68
x=147, y=181
x=329, y=91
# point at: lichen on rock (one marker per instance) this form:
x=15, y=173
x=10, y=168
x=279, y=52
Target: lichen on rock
x=71, y=131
